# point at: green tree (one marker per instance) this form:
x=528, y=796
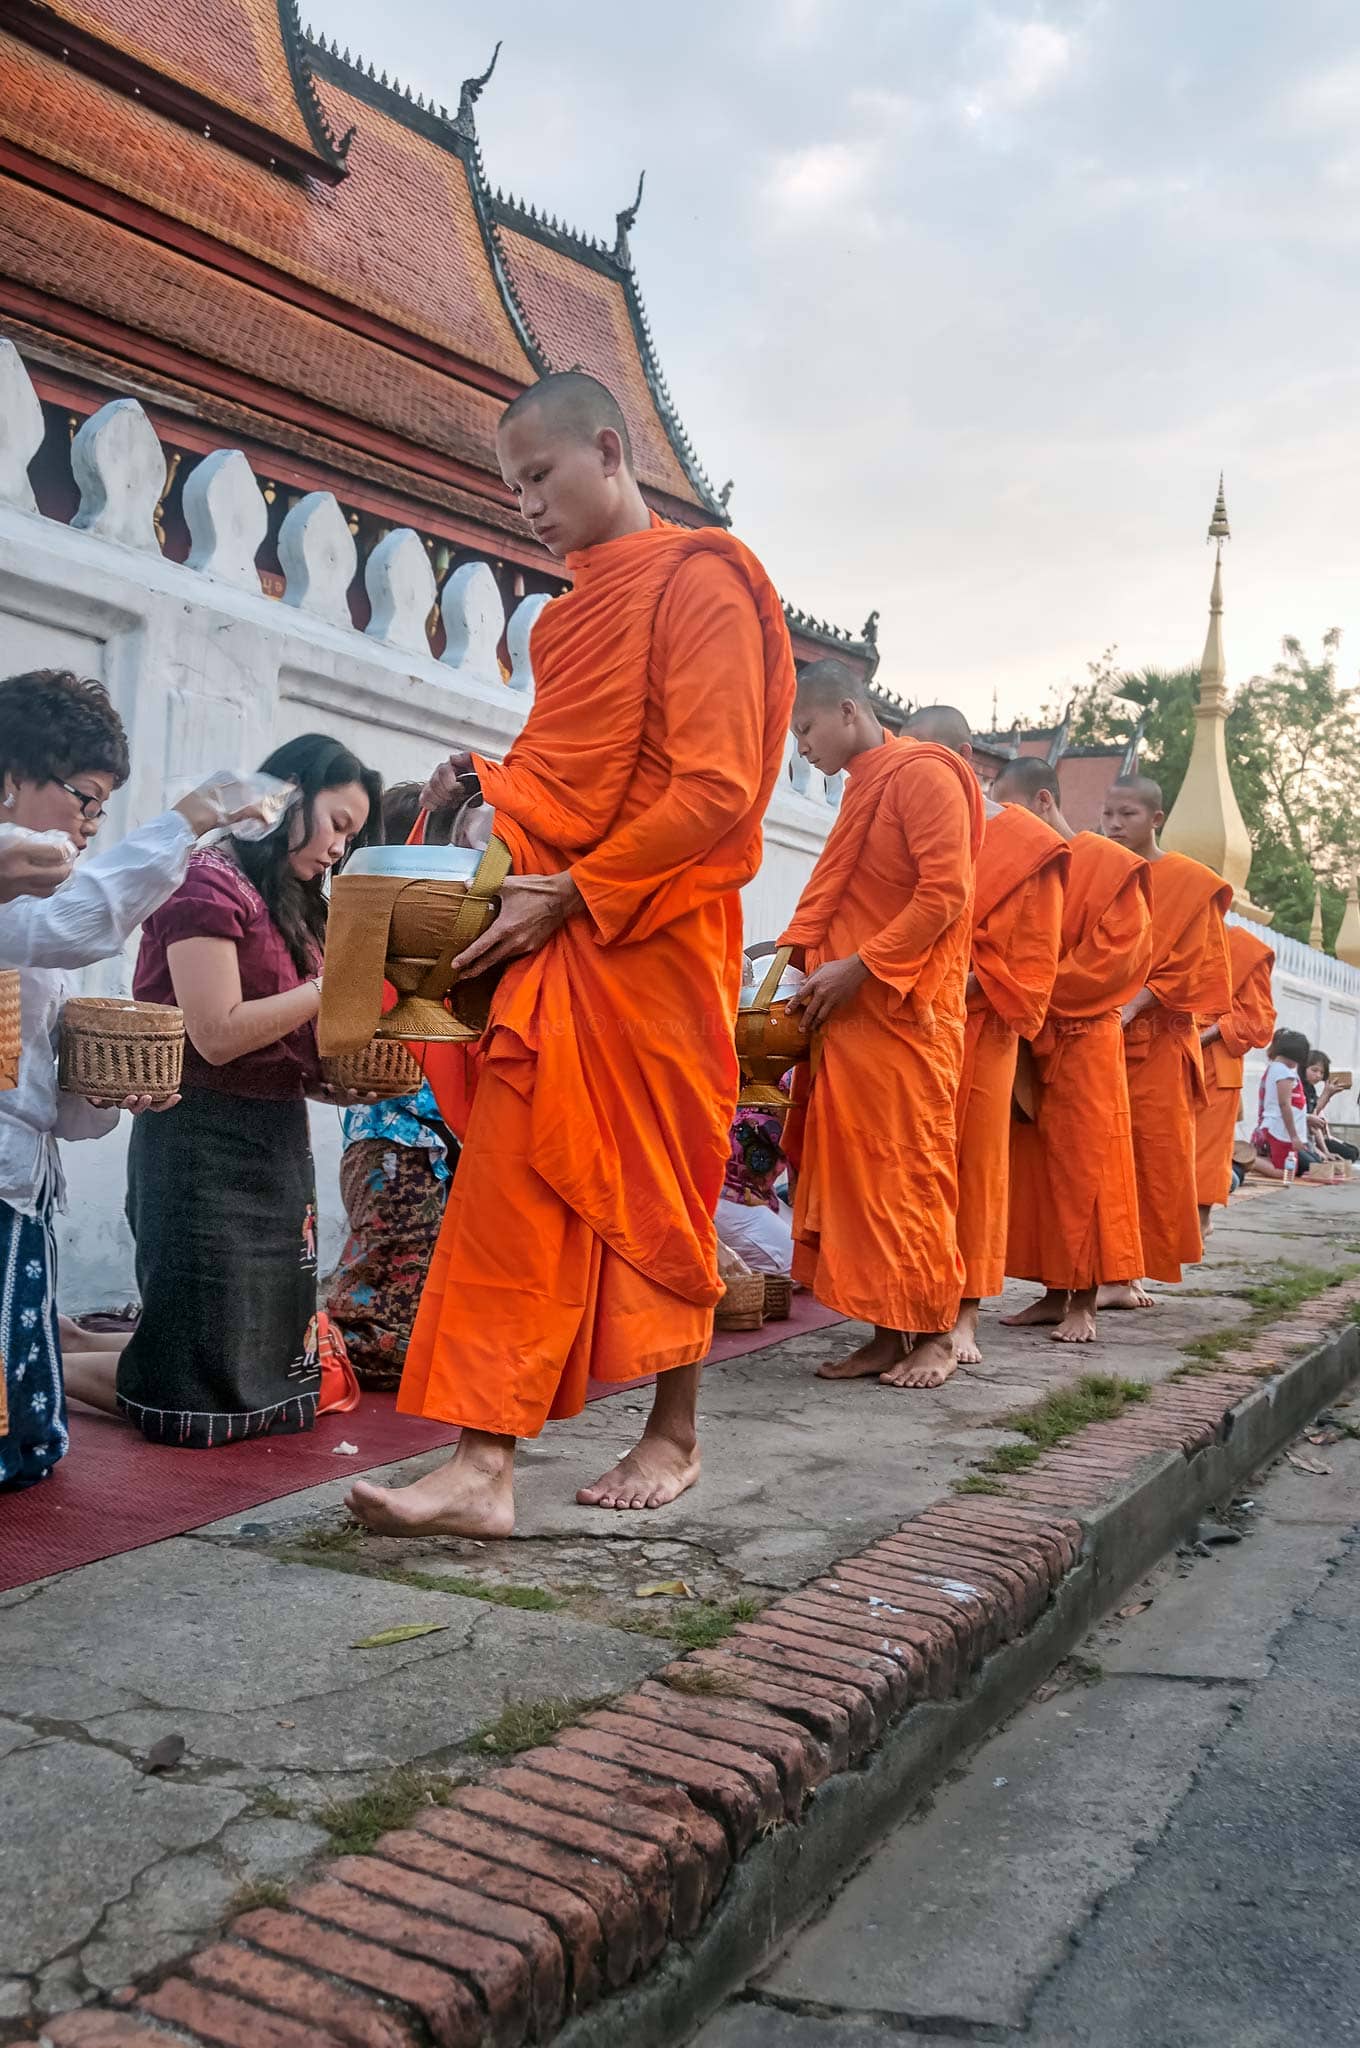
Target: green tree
x=1293, y=742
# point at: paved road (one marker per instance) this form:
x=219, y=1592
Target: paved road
x=1164, y=1857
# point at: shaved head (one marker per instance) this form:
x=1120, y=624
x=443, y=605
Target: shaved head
x=564, y=452
x=1142, y=788
x=573, y=403
x=1020, y=780
x=943, y=725
x=832, y=682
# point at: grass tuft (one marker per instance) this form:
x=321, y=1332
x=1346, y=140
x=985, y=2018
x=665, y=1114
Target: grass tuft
x=258, y=1891
x=524, y=1724
x=977, y=1482
x=354, y=1825
x=700, y=1626
x=1095, y=1397
x=340, y=1536
x=1289, y=1288
x=698, y=1680
x=334, y=1557
x=272, y=1805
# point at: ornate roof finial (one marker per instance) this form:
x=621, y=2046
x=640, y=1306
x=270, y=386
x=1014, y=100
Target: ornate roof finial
x=626, y=221
x=465, y=119
x=869, y=630
x=725, y=494
x=1218, y=525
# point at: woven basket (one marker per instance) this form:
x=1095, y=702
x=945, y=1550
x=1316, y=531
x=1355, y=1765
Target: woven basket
x=778, y=1297
x=383, y=1067
x=743, y=1304
x=9, y=1029
x=111, y=1048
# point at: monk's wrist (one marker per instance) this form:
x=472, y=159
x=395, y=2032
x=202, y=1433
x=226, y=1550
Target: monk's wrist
x=569, y=897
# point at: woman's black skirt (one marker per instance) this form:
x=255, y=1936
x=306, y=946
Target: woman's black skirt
x=222, y=1205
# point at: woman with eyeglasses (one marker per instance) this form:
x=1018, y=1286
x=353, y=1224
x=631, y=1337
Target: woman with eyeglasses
x=63, y=752
x=221, y=1190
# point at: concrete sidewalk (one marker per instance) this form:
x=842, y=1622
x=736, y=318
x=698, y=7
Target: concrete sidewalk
x=241, y=1638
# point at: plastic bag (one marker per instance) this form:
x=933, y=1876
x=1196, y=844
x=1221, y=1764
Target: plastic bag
x=231, y=790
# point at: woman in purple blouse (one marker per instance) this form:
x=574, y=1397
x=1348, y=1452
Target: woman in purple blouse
x=222, y=1202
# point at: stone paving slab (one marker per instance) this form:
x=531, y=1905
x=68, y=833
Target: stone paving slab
x=240, y=1638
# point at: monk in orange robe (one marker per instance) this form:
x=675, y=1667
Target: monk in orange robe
x=884, y=927
x=1017, y=919
x=1248, y=1026
x=1189, y=977
x=578, y=1238
x=1073, y=1190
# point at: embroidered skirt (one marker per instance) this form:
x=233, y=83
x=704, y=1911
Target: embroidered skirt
x=395, y=1206
x=222, y=1206
x=33, y=1399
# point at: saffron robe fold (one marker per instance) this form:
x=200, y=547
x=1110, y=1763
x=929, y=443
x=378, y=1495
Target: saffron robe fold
x=579, y=1237
x=1073, y=1191
x=1017, y=924
x=1246, y=1027
x=873, y=1220
x=1190, y=977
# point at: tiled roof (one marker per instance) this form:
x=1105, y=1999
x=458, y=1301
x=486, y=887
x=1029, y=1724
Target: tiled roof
x=229, y=325
x=398, y=237
x=243, y=57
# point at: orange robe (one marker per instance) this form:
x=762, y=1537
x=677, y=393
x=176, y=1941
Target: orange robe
x=873, y=1220
x=1246, y=1027
x=1074, y=1195
x=1190, y=977
x=1017, y=922
x=578, y=1238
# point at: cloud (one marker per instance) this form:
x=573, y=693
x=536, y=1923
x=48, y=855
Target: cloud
x=817, y=179
x=1023, y=61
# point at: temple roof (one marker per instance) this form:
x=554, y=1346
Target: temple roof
x=223, y=207
x=240, y=70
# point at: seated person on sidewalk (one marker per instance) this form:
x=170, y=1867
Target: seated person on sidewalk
x=1283, y=1125
x=751, y=1220
x=63, y=752
x=394, y=1180
x=1318, y=1090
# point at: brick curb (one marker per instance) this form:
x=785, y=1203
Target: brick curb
x=615, y=1885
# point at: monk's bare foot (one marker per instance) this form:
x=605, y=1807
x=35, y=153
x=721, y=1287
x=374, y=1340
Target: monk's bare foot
x=1129, y=1294
x=655, y=1472
x=966, y=1350
x=885, y=1349
x=1050, y=1308
x=930, y=1363
x=462, y=1498
x=1078, y=1326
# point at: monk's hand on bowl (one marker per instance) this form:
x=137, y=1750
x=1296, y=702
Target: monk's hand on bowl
x=825, y=990
x=533, y=907
x=452, y=781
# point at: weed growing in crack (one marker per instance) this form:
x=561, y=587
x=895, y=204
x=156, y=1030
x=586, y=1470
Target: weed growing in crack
x=701, y=1683
x=706, y=1622
x=524, y=1724
x=1269, y=1301
x=339, y=1537
x=272, y=1805
x=332, y=1558
x=1095, y=1397
x=354, y=1825
x=258, y=1891
x=977, y=1482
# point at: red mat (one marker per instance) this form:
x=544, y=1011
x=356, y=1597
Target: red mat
x=114, y=1491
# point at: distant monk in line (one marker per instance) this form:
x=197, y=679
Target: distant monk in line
x=884, y=929
x=579, y=1234
x=1189, y=978
x=1247, y=1027
x=1073, y=1190
x=1017, y=921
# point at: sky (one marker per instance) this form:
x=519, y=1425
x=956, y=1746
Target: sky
x=973, y=301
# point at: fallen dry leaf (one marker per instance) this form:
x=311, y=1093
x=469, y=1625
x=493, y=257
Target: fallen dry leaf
x=285, y=1724
x=1313, y=1465
x=676, y=1589
x=406, y=1634
x=1134, y=1607
x=165, y=1754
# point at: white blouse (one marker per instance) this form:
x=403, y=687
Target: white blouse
x=89, y=918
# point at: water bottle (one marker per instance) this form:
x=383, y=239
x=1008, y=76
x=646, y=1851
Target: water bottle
x=1291, y=1167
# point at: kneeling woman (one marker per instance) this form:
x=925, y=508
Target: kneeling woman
x=222, y=1200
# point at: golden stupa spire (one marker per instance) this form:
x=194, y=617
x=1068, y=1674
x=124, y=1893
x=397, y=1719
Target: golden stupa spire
x=1347, y=945
x=1315, y=928
x=1206, y=821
